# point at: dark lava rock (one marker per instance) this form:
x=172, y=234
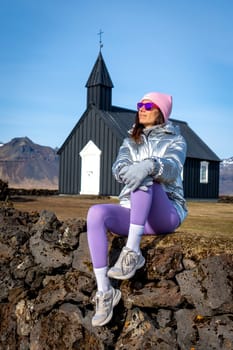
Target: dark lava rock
x=47, y=285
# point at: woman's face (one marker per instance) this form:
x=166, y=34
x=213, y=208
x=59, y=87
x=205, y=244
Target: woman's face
x=148, y=117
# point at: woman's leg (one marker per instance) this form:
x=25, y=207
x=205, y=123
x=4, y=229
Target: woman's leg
x=113, y=217
x=100, y=219
x=151, y=209
x=140, y=207
x=131, y=258
x=162, y=217
x=154, y=210
x=151, y=213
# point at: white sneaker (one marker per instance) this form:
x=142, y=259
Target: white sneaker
x=105, y=303
x=126, y=265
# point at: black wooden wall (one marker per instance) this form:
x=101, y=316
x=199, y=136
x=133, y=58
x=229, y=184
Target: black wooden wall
x=91, y=127
x=192, y=186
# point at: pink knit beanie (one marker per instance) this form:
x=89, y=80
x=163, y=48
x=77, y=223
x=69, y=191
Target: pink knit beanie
x=163, y=101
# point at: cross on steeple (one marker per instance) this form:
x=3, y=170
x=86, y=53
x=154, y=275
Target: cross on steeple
x=100, y=41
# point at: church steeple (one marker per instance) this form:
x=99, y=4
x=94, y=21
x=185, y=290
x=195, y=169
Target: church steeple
x=99, y=85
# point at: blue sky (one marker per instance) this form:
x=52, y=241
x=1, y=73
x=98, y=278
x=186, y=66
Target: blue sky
x=49, y=47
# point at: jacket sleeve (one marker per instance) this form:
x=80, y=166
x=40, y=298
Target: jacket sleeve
x=169, y=167
x=124, y=158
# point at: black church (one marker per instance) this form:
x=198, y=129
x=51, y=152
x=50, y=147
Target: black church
x=87, y=154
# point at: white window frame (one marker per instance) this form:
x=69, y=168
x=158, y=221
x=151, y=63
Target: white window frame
x=204, y=172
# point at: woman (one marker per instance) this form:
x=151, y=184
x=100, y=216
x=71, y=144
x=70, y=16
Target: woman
x=149, y=163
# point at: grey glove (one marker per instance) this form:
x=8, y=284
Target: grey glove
x=147, y=182
x=133, y=175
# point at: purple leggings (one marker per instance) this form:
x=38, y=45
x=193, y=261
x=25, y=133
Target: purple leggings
x=151, y=208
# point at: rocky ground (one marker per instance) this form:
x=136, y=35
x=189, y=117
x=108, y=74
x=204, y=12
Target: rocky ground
x=175, y=302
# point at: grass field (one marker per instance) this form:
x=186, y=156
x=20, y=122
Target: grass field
x=208, y=228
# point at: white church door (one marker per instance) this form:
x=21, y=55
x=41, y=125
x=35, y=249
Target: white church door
x=90, y=171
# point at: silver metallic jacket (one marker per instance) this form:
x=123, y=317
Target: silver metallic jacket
x=167, y=148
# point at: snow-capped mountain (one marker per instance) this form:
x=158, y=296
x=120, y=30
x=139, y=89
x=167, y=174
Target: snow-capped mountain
x=227, y=162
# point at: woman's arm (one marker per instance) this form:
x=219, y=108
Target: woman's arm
x=123, y=159
x=168, y=167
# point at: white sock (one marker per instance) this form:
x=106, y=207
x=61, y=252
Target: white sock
x=134, y=237
x=102, y=280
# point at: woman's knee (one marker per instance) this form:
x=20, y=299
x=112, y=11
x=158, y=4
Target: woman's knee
x=96, y=212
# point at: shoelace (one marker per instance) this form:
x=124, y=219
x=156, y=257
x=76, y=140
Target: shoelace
x=98, y=304
x=129, y=258
x=99, y=300
x=95, y=298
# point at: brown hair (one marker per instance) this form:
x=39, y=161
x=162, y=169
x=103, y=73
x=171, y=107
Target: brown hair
x=138, y=127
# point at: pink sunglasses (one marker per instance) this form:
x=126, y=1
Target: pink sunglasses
x=148, y=105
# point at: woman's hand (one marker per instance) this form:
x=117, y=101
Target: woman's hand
x=133, y=175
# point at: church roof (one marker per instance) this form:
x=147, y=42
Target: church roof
x=99, y=74
x=120, y=120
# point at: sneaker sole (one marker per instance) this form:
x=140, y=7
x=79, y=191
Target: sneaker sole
x=116, y=299
x=125, y=277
